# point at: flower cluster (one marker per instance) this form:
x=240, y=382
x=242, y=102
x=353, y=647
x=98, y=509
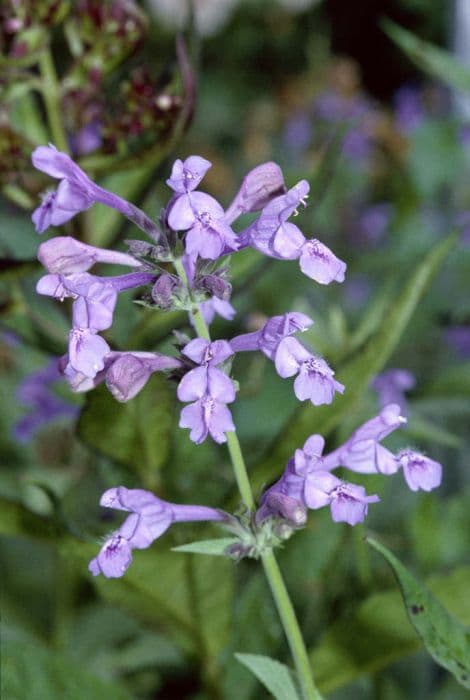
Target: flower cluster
x=182, y=266
x=307, y=481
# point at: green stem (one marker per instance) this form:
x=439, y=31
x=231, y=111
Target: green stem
x=271, y=569
x=51, y=92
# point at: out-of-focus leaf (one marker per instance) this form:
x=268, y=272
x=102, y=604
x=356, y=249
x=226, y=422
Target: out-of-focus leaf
x=13, y=269
x=420, y=428
x=379, y=633
x=15, y=519
x=213, y=547
x=276, y=677
x=432, y=60
x=35, y=672
x=192, y=596
x=445, y=638
x=357, y=373
x=136, y=433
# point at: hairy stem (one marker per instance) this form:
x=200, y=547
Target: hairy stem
x=50, y=93
x=271, y=568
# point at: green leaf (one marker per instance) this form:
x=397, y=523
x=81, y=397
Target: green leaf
x=378, y=633
x=432, y=60
x=215, y=547
x=276, y=677
x=357, y=373
x=445, y=638
x=35, y=672
x=136, y=433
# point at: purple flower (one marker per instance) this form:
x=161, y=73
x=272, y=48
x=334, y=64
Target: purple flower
x=315, y=380
x=130, y=372
x=391, y=386
x=66, y=256
x=409, y=110
x=421, y=473
x=267, y=339
x=210, y=390
x=271, y=234
x=186, y=176
x=259, y=187
x=285, y=498
x=348, y=502
x=87, y=352
x=202, y=217
x=76, y=193
x=362, y=453
x=320, y=264
x=149, y=518
x=309, y=457
x=35, y=392
x=87, y=140
x=373, y=223
x=207, y=353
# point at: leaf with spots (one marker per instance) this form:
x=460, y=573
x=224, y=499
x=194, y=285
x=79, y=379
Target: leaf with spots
x=445, y=638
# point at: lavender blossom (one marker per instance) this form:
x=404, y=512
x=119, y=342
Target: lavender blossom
x=76, y=193
x=202, y=217
x=363, y=453
x=149, y=518
x=348, y=502
x=319, y=263
x=186, y=176
x=259, y=187
x=267, y=339
x=214, y=306
x=420, y=472
x=315, y=379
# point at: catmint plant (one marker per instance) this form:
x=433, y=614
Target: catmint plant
x=183, y=266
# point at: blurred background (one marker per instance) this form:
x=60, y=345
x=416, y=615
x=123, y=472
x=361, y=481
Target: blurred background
x=367, y=101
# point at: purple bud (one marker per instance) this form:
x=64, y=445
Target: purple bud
x=129, y=373
x=164, y=289
x=258, y=188
x=65, y=255
x=215, y=285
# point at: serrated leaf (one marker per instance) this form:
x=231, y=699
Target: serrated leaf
x=357, y=373
x=377, y=633
x=431, y=59
x=136, y=433
x=276, y=677
x=215, y=547
x=445, y=638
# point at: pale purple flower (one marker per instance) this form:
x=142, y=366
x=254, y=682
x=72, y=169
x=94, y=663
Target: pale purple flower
x=149, y=518
x=259, y=187
x=373, y=223
x=66, y=256
x=271, y=234
x=310, y=456
x=362, y=452
x=275, y=329
x=348, y=502
x=391, y=386
x=202, y=217
x=285, y=498
x=319, y=263
x=210, y=390
x=186, y=175
x=87, y=352
x=315, y=379
x=130, y=372
x=421, y=473
x=87, y=140
x=408, y=108
x=76, y=193
x=207, y=353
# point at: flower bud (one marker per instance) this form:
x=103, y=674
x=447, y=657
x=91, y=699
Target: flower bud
x=258, y=188
x=164, y=289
